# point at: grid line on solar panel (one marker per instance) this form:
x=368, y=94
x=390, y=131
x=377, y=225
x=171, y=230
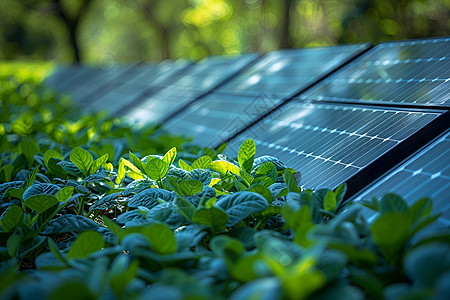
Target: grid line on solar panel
x=425, y=174
x=414, y=72
x=330, y=143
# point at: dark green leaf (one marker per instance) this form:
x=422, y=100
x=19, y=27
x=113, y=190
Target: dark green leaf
x=41, y=203
x=68, y=223
x=240, y=205
x=87, y=242
x=214, y=217
x=191, y=187
x=161, y=238
x=149, y=197
x=12, y=218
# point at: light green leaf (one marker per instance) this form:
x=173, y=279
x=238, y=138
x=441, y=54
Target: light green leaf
x=184, y=165
x=12, y=218
x=162, y=239
x=191, y=187
x=65, y=193
x=246, y=155
x=329, y=201
x=111, y=225
x=137, y=162
x=222, y=167
x=262, y=190
x=156, y=169
x=51, y=154
x=214, y=217
x=87, y=242
x=202, y=162
x=82, y=159
x=98, y=163
x=289, y=180
x=170, y=156
x=40, y=203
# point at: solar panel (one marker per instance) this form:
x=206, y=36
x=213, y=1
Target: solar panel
x=425, y=174
x=199, y=79
x=283, y=73
x=409, y=72
x=330, y=143
x=256, y=91
x=141, y=80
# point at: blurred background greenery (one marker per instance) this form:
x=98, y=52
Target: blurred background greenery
x=109, y=31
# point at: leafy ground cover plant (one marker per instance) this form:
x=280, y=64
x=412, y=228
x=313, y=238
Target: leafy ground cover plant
x=80, y=221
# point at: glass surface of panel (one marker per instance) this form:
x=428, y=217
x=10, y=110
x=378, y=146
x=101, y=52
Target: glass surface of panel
x=283, y=73
x=425, y=174
x=410, y=72
x=330, y=143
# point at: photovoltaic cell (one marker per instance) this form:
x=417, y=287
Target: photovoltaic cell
x=199, y=79
x=256, y=91
x=328, y=143
x=410, y=72
x=425, y=174
x=283, y=73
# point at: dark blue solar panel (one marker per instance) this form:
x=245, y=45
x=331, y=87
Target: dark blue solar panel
x=256, y=91
x=199, y=79
x=281, y=74
x=425, y=174
x=328, y=143
x=409, y=72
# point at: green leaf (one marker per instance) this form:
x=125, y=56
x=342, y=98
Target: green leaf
x=202, y=163
x=240, y=205
x=71, y=290
x=289, y=180
x=51, y=154
x=156, y=169
x=393, y=203
x=214, y=217
x=390, y=232
x=12, y=218
x=29, y=148
x=149, y=198
x=65, y=193
x=246, y=155
x=30, y=179
x=40, y=203
x=137, y=162
x=6, y=173
x=170, y=156
x=87, y=242
x=184, y=165
x=340, y=193
x=190, y=187
x=82, y=159
x=262, y=190
x=54, y=249
x=41, y=189
x=161, y=238
x=267, y=169
x=185, y=207
x=68, y=167
x=248, y=179
x=98, y=163
x=329, y=201
x=421, y=208
x=111, y=225
x=13, y=244
x=222, y=167
x=69, y=223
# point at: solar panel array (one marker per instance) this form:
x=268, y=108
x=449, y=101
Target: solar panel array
x=360, y=114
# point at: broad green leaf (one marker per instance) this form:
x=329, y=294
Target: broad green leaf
x=214, y=181
x=71, y=290
x=54, y=249
x=185, y=207
x=267, y=158
x=137, y=162
x=68, y=167
x=390, y=232
x=120, y=171
x=240, y=205
x=190, y=187
x=170, y=156
x=156, y=169
x=300, y=221
x=162, y=239
x=13, y=244
x=30, y=178
x=202, y=163
x=51, y=154
x=262, y=190
x=246, y=155
x=289, y=180
x=133, y=172
x=200, y=174
x=248, y=179
x=82, y=159
x=69, y=223
x=106, y=202
x=65, y=193
x=111, y=225
x=393, y=203
x=340, y=193
x=267, y=169
x=40, y=203
x=149, y=198
x=222, y=167
x=184, y=165
x=98, y=163
x=329, y=201
x=87, y=242
x=41, y=189
x=29, y=148
x=421, y=208
x=12, y=218
x=6, y=173
x=214, y=217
